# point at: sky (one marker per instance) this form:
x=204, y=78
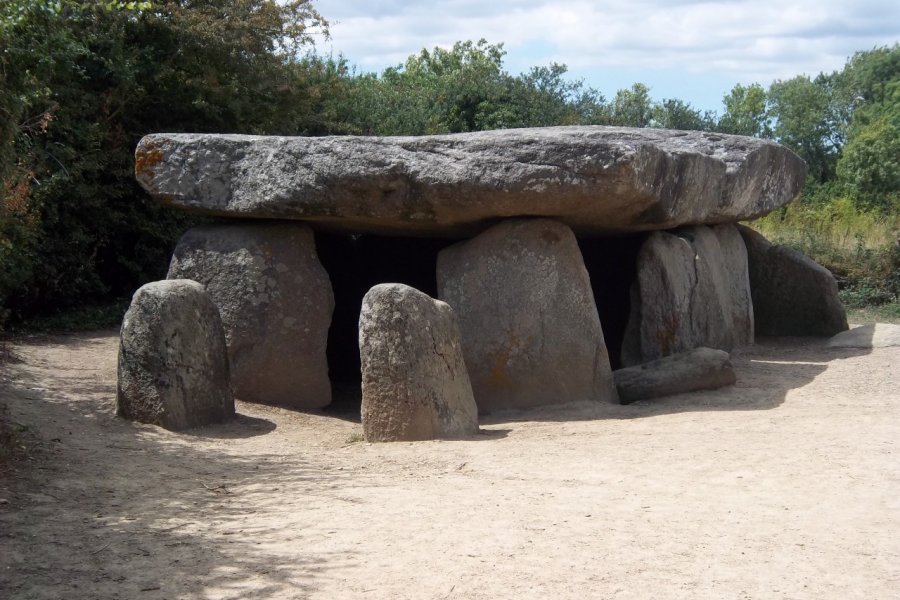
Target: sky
x=693, y=50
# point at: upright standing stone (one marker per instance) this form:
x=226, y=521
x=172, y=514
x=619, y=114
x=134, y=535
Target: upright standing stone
x=530, y=330
x=792, y=295
x=736, y=283
x=414, y=380
x=276, y=303
x=692, y=290
x=173, y=366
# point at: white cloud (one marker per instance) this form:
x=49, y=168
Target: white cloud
x=743, y=40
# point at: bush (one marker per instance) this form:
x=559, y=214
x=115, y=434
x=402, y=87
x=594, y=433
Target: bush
x=80, y=83
x=859, y=247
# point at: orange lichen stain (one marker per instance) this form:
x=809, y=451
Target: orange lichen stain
x=665, y=335
x=498, y=376
x=147, y=156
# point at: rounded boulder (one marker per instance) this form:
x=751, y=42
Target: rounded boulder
x=173, y=365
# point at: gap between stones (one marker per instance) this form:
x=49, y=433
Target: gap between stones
x=355, y=263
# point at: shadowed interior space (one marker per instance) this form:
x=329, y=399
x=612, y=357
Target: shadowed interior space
x=612, y=265
x=355, y=263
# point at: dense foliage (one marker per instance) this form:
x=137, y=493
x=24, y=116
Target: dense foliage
x=80, y=83
x=82, y=80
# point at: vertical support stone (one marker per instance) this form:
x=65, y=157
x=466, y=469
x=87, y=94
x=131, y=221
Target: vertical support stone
x=692, y=290
x=530, y=330
x=792, y=294
x=276, y=303
x=414, y=380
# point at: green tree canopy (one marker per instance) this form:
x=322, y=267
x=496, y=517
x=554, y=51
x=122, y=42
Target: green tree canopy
x=869, y=87
x=676, y=114
x=81, y=82
x=745, y=112
x=632, y=107
x=804, y=116
x=464, y=88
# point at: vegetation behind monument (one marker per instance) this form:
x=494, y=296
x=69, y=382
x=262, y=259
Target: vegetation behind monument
x=81, y=82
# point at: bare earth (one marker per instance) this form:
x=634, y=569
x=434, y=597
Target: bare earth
x=785, y=486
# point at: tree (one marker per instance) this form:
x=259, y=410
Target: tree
x=804, y=116
x=83, y=82
x=465, y=88
x=675, y=114
x=543, y=97
x=869, y=88
x=745, y=112
x=632, y=107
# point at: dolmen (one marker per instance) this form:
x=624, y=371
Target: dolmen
x=508, y=213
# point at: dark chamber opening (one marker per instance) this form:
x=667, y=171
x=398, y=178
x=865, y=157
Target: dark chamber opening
x=355, y=263
x=612, y=265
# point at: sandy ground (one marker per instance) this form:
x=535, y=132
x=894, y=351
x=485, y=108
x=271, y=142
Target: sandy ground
x=785, y=486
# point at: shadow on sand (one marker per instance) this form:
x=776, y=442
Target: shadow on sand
x=766, y=372
x=137, y=522
x=137, y=526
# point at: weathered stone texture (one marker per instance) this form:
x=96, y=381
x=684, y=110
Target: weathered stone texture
x=276, y=302
x=598, y=179
x=792, y=295
x=530, y=330
x=414, y=380
x=692, y=290
x=697, y=369
x=173, y=366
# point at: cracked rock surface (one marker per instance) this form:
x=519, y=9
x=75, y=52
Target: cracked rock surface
x=594, y=179
x=692, y=290
x=414, y=380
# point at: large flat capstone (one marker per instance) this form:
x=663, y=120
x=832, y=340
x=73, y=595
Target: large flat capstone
x=594, y=179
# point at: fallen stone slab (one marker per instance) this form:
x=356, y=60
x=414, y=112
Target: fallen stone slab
x=595, y=179
x=531, y=334
x=173, y=365
x=414, y=380
x=692, y=290
x=874, y=335
x=276, y=301
x=792, y=294
x=697, y=369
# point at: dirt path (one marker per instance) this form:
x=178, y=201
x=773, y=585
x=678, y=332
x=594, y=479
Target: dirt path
x=785, y=486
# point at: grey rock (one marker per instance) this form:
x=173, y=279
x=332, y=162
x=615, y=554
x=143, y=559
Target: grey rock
x=276, y=303
x=173, y=366
x=873, y=335
x=530, y=331
x=792, y=295
x=414, y=380
x=595, y=179
x=697, y=369
x=692, y=290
